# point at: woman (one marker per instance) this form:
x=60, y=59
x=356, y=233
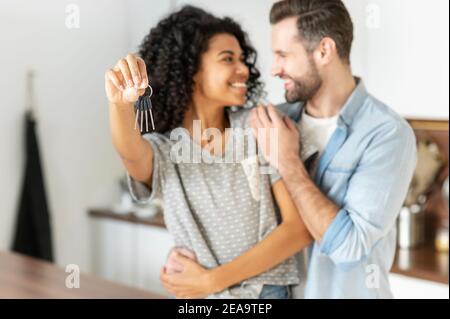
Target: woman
x=198, y=66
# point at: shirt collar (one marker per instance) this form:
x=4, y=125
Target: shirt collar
x=351, y=106
x=354, y=102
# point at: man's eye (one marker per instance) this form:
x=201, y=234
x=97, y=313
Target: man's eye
x=228, y=59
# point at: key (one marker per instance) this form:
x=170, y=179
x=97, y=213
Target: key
x=143, y=108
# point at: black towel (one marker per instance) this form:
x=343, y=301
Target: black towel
x=33, y=231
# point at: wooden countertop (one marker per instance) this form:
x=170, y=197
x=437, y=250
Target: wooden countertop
x=421, y=263
x=156, y=221
x=24, y=277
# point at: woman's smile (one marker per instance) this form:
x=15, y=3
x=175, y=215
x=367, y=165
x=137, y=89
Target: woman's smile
x=240, y=87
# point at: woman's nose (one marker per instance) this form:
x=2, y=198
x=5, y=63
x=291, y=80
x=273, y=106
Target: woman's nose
x=243, y=70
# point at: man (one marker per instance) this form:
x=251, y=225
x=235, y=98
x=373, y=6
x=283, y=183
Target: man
x=351, y=197
x=367, y=152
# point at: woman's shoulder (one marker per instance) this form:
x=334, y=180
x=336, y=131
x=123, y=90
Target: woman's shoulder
x=158, y=140
x=239, y=117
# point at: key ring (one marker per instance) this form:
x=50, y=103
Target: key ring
x=151, y=91
x=143, y=108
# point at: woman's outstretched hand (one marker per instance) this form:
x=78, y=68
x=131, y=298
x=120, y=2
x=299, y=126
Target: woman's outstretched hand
x=126, y=81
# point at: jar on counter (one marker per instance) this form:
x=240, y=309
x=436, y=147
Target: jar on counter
x=411, y=227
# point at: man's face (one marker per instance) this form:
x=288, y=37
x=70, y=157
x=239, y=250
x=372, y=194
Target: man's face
x=293, y=63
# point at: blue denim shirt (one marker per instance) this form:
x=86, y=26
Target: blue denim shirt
x=365, y=170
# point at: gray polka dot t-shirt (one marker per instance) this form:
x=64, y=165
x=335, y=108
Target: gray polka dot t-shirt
x=217, y=206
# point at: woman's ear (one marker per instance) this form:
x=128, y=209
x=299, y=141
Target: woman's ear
x=197, y=78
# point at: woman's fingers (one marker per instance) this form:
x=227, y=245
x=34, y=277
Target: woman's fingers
x=114, y=79
x=126, y=73
x=127, y=81
x=134, y=69
x=143, y=71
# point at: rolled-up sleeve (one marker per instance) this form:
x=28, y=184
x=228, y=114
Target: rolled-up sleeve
x=140, y=192
x=375, y=195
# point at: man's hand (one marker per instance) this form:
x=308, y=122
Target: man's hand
x=316, y=210
x=172, y=266
x=262, y=120
x=193, y=282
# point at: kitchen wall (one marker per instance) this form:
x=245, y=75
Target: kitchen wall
x=400, y=50
x=78, y=159
x=254, y=17
x=407, y=55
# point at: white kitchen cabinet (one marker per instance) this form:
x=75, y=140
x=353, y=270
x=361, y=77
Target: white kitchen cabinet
x=154, y=245
x=404, y=287
x=114, y=250
x=130, y=254
x=133, y=254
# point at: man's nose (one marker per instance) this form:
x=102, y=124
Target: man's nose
x=277, y=70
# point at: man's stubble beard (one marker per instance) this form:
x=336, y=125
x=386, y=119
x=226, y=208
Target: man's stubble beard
x=306, y=87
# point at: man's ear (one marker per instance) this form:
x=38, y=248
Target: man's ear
x=325, y=51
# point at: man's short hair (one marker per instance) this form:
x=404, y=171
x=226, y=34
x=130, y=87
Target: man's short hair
x=318, y=19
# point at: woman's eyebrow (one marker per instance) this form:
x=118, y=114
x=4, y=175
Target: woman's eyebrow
x=226, y=52
x=231, y=53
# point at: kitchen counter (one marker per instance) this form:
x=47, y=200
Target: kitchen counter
x=25, y=277
x=156, y=221
x=421, y=263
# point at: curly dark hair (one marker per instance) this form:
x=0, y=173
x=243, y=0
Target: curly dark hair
x=172, y=52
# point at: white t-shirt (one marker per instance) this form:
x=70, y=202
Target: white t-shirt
x=316, y=132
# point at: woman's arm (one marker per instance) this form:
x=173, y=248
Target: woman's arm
x=124, y=84
x=284, y=241
x=287, y=239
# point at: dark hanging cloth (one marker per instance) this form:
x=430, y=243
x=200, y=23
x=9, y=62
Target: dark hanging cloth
x=33, y=231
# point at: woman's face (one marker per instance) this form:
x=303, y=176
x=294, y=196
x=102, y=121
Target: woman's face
x=223, y=74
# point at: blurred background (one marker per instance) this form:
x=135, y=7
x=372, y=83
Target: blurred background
x=401, y=51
